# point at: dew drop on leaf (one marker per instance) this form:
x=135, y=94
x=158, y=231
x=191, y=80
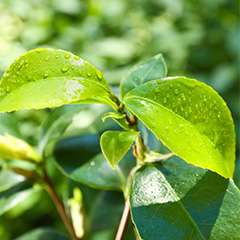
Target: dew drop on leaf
x=99, y=75
x=64, y=69
x=67, y=55
x=45, y=75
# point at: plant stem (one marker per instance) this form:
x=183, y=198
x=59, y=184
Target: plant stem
x=124, y=221
x=59, y=206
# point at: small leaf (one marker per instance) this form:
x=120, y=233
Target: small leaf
x=15, y=148
x=44, y=78
x=119, y=118
x=153, y=68
x=186, y=201
x=115, y=144
x=190, y=118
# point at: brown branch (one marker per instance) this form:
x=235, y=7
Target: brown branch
x=124, y=221
x=59, y=206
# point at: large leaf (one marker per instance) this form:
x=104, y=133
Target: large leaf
x=153, y=68
x=178, y=201
x=190, y=118
x=42, y=233
x=115, y=145
x=49, y=78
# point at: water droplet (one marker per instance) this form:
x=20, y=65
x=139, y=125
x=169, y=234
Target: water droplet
x=164, y=100
x=46, y=58
x=45, y=75
x=99, y=76
x=92, y=163
x=67, y=55
x=89, y=74
x=76, y=58
x=57, y=56
x=64, y=69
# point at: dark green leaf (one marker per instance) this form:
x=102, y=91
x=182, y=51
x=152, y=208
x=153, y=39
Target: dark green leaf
x=44, y=78
x=178, y=201
x=98, y=174
x=153, y=68
x=190, y=118
x=115, y=145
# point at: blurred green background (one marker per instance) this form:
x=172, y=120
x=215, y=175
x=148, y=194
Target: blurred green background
x=199, y=39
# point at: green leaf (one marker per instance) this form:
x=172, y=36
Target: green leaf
x=98, y=174
x=153, y=68
x=42, y=233
x=190, y=118
x=119, y=118
x=178, y=201
x=44, y=78
x=115, y=144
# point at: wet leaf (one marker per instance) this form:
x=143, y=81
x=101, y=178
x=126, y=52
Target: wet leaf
x=115, y=145
x=190, y=118
x=177, y=201
x=50, y=78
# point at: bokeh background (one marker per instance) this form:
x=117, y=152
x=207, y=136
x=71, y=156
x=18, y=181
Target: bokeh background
x=199, y=39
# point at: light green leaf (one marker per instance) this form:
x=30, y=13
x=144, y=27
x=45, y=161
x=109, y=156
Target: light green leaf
x=15, y=148
x=190, y=118
x=49, y=78
x=186, y=201
x=119, y=118
x=153, y=68
x=115, y=144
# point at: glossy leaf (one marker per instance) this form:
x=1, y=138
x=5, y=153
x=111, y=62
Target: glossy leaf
x=153, y=68
x=190, y=118
x=42, y=233
x=44, y=78
x=178, y=201
x=98, y=174
x=115, y=144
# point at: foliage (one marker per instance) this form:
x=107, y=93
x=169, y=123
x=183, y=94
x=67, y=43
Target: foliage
x=166, y=195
